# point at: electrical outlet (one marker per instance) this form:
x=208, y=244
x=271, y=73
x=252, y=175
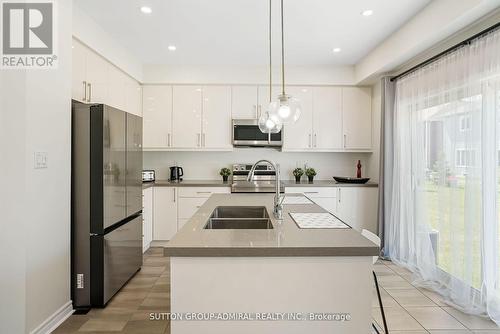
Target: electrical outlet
x=79, y=281
x=41, y=160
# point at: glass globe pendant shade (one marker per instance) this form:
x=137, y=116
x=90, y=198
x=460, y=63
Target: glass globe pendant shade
x=269, y=123
x=287, y=109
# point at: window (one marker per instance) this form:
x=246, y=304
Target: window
x=465, y=123
x=465, y=158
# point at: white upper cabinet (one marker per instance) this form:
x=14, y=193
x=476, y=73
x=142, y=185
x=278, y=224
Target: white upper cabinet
x=333, y=119
x=244, y=102
x=327, y=118
x=90, y=75
x=299, y=135
x=357, y=118
x=133, y=96
x=263, y=101
x=95, y=80
x=116, y=92
x=79, y=74
x=124, y=92
x=187, y=117
x=186, y=124
x=216, y=124
x=157, y=117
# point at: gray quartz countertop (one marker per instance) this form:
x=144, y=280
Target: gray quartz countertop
x=220, y=183
x=285, y=239
x=326, y=183
x=187, y=183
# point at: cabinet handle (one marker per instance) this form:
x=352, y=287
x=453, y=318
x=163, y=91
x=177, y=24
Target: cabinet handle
x=259, y=111
x=203, y=192
x=89, y=85
x=168, y=139
x=315, y=140
x=255, y=110
x=345, y=140
x=310, y=141
x=174, y=194
x=340, y=194
x=198, y=139
x=311, y=192
x=84, y=91
x=203, y=140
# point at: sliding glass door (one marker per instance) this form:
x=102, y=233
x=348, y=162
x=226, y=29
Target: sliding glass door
x=444, y=217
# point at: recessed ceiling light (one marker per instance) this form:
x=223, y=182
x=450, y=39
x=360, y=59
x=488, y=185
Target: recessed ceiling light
x=146, y=10
x=172, y=48
x=367, y=12
x=337, y=50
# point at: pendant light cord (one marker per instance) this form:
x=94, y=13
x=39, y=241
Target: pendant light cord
x=282, y=52
x=270, y=54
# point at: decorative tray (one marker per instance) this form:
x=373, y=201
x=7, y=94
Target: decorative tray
x=347, y=179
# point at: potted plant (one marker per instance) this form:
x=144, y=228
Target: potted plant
x=225, y=172
x=311, y=173
x=298, y=172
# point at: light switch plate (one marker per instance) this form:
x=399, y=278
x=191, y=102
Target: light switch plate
x=41, y=160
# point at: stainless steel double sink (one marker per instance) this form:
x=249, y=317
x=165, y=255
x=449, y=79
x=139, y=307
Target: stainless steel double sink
x=239, y=217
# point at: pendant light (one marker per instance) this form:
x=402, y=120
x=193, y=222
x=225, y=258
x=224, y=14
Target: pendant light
x=287, y=108
x=269, y=122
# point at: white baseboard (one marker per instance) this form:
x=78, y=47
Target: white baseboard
x=52, y=322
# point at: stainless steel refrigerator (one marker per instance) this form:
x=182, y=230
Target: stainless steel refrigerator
x=106, y=202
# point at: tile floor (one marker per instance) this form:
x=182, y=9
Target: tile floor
x=412, y=310
x=408, y=310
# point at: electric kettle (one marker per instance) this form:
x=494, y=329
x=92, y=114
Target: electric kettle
x=176, y=173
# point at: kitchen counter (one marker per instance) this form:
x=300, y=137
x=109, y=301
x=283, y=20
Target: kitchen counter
x=220, y=183
x=187, y=183
x=283, y=270
x=285, y=239
x=326, y=183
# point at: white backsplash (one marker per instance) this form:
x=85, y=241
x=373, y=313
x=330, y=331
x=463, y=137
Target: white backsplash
x=206, y=165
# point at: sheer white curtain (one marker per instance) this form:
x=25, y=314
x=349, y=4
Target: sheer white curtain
x=443, y=219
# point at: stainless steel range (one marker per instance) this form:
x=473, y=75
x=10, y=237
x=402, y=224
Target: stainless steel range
x=263, y=181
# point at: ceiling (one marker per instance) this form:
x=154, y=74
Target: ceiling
x=235, y=32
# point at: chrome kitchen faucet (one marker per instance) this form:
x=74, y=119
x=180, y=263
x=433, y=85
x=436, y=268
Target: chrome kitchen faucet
x=278, y=199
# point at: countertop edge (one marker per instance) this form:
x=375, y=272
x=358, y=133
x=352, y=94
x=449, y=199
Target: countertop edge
x=269, y=252
x=222, y=184
x=187, y=183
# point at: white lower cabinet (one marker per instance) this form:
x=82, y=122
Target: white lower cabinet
x=188, y=206
x=174, y=206
x=192, y=198
x=165, y=213
x=325, y=197
x=147, y=217
x=356, y=206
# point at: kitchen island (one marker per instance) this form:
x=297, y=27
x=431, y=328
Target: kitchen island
x=278, y=280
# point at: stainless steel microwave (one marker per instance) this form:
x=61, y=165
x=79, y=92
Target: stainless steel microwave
x=246, y=132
